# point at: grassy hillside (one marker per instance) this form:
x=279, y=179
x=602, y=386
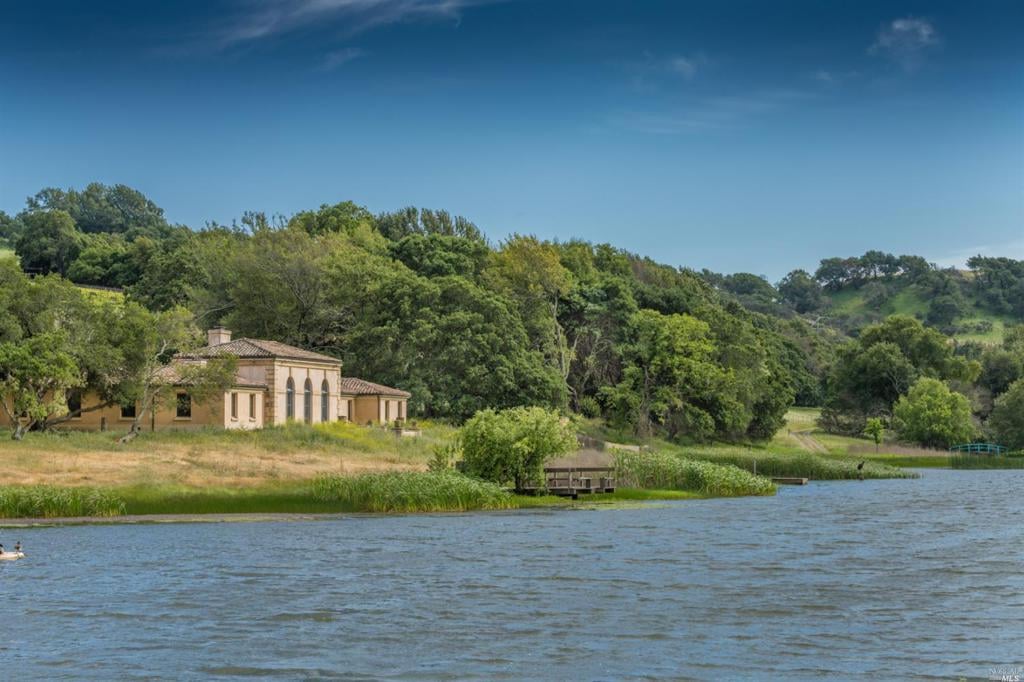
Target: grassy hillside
x=851, y=305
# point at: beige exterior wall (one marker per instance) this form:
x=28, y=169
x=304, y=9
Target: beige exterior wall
x=379, y=409
x=276, y=377
x=216, y=412
x=249, y=405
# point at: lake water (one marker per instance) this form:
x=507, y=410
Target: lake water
x=874, y=580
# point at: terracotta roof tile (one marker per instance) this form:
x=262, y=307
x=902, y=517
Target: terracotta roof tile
x=354, y=386
x=260, y=348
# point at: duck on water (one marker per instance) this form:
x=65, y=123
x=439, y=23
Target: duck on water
x=11, y=556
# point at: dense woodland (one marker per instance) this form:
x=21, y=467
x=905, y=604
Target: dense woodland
x=422, y=300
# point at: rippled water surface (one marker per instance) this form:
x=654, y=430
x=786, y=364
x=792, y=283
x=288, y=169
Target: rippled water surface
x=888, y=579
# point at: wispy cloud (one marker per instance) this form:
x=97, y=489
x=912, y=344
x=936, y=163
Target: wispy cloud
x=711, y=113
x=652, y=71
x=959, y=258
x=338, y=58
x=684, y=66
x=906, y=41
x=257, y=21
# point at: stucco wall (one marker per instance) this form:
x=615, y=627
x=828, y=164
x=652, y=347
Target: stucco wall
x=372, y=408
x=216, y=412
x=299, y=371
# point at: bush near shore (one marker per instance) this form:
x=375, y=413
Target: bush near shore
x=52, y=502
x=430, y=491
x=665, y=471
x=802, y=465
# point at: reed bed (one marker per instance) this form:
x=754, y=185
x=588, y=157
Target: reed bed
x=412, y=491
x=1012, y=461
x=659, y=470
x=796, y=464
x=52, y=502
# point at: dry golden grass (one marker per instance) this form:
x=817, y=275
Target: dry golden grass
x=211, y=458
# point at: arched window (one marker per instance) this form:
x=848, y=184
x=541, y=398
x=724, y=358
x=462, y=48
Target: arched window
x=307, y=402
x=289, y=399
x=325, y=401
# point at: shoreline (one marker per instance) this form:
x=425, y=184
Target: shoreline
x=559, y=504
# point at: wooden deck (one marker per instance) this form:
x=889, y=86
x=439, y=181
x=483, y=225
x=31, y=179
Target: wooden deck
x=789, y=480
x=574, y=481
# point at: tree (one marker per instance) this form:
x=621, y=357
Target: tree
x=669, y=377
x=49, y=242
x=344, y=217
x=513, y=445
x=35, y=375
x=874, y=430
x=933, y=415
x=801, y=291
x=1007, y=420
x=103, y=208
x=10, y=228
x=172, y=333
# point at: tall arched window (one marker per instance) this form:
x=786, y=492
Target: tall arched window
x=307, y=402
x=289, y=399
x=325, y=401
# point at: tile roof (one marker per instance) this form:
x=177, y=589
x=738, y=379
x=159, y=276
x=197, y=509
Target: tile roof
x=353, y=386
x=171, y=374
x=260, y=348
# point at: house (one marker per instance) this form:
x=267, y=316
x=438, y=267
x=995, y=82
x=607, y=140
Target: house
x=274, y=383
x=368, y=402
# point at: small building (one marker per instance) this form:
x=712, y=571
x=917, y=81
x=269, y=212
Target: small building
x=274, y=383
x=368, y=402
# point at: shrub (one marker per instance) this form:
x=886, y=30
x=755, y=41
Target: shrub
x=433, y=491
x=1007, y=420
x=512, y=445
x=933, y=415
x=669, y=472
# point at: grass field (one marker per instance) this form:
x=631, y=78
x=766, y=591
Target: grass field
x=911, y=302
x=213, y=458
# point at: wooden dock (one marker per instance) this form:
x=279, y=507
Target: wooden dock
x=789, y=480
x=574, y=481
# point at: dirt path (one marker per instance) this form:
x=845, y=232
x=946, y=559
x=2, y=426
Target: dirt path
x=809, y=442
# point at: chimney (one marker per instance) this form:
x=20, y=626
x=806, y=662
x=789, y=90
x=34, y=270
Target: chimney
x=218, y=335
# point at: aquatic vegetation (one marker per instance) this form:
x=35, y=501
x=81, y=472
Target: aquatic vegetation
x=50, y=502
x=412, y=491
x=798, y=464
x=1011, y=461
x=661, y=470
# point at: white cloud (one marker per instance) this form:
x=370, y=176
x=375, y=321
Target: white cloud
x=341, y=57
x=958, y=259
x=684, y=66
x=906, y=41
x=258, y=21
x=710, y=113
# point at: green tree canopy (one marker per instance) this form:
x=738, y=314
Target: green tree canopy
x=1007, y=420
x=933, y=415
x=49, y=242
x=511, y=446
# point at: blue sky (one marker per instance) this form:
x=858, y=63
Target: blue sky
x=738, y=136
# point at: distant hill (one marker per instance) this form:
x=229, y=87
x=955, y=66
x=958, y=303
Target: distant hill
x=847, y=294
x=850, y=310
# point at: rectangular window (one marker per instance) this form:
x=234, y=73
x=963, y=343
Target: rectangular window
x=252, y=407
x=387, y=411
x=184, y=406
x=234, y=406
x=128, y=411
